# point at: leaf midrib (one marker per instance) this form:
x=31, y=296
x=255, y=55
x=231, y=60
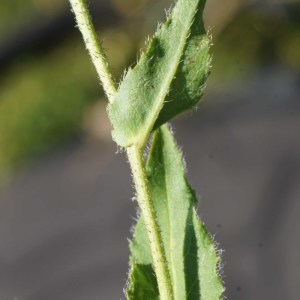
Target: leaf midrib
x=173, y=271
x=167, y=82
x=172, y=240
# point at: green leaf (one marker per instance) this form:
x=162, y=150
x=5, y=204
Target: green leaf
x=168, y=79
x=191, y=252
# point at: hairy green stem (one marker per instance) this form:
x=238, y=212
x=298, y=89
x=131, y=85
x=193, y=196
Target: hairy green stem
x=93, y=45
x=146, y=204
x=134, y=154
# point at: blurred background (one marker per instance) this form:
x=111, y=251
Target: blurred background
x=65, y=195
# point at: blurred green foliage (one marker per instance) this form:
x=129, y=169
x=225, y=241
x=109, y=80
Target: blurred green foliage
x=42, y=101
x=43, y=97
x=15, y=13
x=257, y=39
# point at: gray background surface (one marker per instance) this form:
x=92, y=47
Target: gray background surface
x=64, y=222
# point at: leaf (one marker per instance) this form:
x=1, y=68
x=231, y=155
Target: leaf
x=168, y=79
x=190, y=250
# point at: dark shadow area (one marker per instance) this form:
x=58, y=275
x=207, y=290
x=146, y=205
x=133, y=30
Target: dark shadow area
x=44, y=34
x=191, y=263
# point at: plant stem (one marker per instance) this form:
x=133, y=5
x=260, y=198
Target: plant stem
x=134, y=153
x=152, y=227
x=93, y=45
